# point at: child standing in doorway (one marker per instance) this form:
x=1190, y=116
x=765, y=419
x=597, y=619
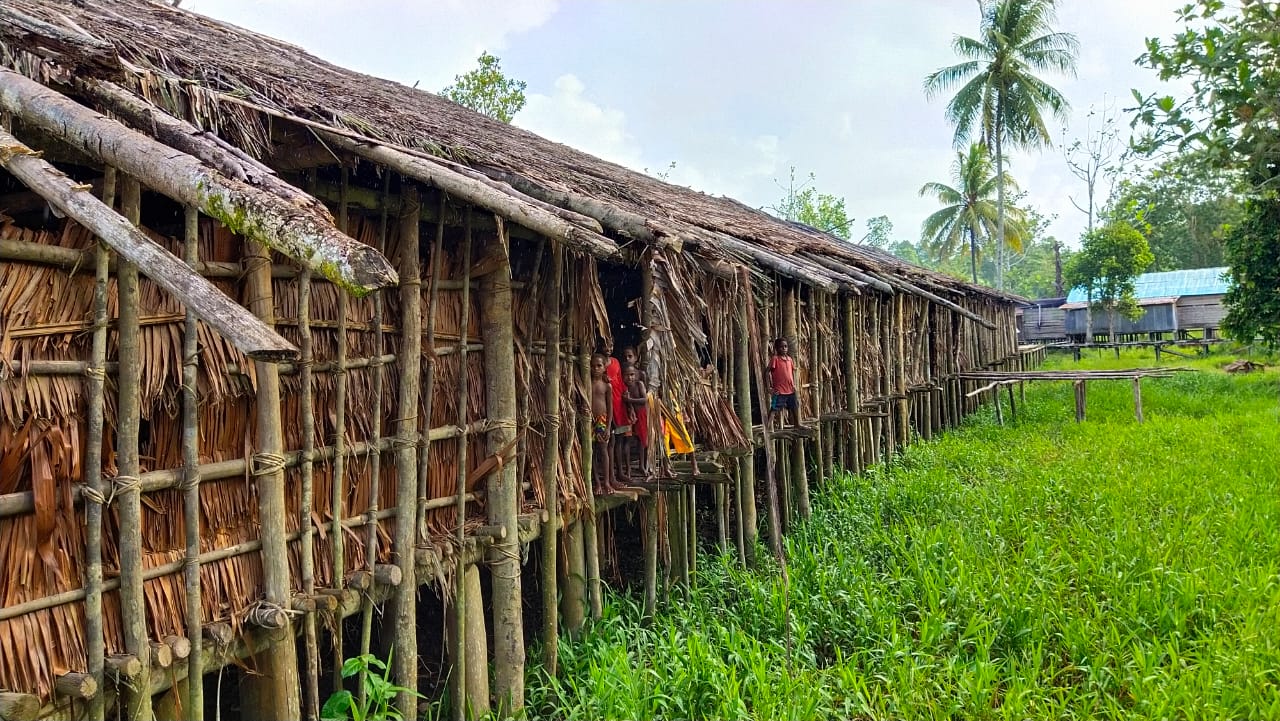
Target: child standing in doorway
x=780, y=374
x=601, y=427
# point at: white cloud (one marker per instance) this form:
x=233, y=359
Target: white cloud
x=568, y=116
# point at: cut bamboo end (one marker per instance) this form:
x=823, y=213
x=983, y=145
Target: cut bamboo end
x=267, y=616
x=161, y=655
x=76, y=685
x=19, y=706
x=180, y=646
x=220, y=633
x=123, y=667
x=492, y=531
x=387, y=574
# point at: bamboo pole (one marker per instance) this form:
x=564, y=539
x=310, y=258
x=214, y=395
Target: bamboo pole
x=590, y=536
x=279, y=685
x=128, y=487
x=815, y=382
x=900, y=371
x=95, y=641
x=753, y=336
x=851, y=368
x=191, y=475
x=463, y=695
x=798, y=490
x=306, y=403
x=375, y=456
x=655, y=443
x=504, y=494
x=889, y=435
x=746, y=464
x=337, y=491
x=405, y=658
x=429, y=377
x=551, y=465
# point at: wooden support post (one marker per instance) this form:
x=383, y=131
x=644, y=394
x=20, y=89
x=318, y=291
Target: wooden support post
x=19, y=706
x=770, y=465
x=128, y=491
x=279, y=693
x=464, y=696
x=429, y=379
x=746, y=464
x=1080, y=400
x=471, y=671
x=95, y=485
x=375, y=454
x=503, y=493
x=1013, y=409
x=791, y=331
x=306, y=413
x=573, y=604
x=900, y=370
x=885, y=319
x=551, y=464
x=405, y=606
x=814, y=311
x=191, y=475
x=337, y=496
x=1137, y=397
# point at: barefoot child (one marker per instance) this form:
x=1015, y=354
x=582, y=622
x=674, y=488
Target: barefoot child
x=780, y=374
x=641, y=424
x=636, y=400
x=601, y=424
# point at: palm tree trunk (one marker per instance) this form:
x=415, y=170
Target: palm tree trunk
x=973, y=255
x=999, y=206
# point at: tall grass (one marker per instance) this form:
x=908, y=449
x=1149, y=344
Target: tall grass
x=1046, y=569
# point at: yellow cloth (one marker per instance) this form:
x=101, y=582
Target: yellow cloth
x=678, y=439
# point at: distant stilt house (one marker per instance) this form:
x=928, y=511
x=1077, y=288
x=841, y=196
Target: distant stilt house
x=1042, y=321
x=1175, y=304
x=295, y=364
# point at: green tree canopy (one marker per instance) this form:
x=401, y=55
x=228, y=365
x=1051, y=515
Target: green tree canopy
x=1232, y=114
x=803, y=203
x=487, y=90
x=1185, y=206
x=969, y=215
x=1001, y=99
x=1110, y=260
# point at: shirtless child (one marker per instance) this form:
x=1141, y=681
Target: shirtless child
x=601, y=423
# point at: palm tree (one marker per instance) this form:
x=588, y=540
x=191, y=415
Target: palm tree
x=970, y=214
x=1000, y=99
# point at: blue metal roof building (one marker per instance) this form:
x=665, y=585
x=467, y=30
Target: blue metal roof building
x=1172, y=284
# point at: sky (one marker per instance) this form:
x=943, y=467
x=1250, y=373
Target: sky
x=736, y=93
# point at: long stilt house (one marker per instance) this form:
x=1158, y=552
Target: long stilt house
x=294, y=365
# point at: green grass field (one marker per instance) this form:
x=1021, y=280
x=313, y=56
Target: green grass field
x=1046, y=569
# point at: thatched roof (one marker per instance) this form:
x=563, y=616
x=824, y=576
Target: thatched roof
x=233, y=81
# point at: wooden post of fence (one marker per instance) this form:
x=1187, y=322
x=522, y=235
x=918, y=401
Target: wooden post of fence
x=551, y=463
x=95, y=642
x=193, y=708
x=128, y=491
x=1081, y=389
x=1137, y=397
x=405, y=657
x=503, y=492
x=278, y=686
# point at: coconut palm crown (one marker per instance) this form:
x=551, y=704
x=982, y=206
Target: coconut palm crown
x=1000, y=97
x=970, y=214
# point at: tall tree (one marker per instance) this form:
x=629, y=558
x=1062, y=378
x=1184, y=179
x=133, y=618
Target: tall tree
x=969, y=213
x=1001, y=100
x=487, y=90
x=1107, y=266
x=1229, y=53
x=1096, y=157
x=803, y=203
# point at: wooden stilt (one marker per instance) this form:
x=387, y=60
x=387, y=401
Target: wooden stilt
x=463, y=695
x=884, y=318
x=900, y=370
x=194, y=696
x=95, y=485
x=791, y=331
x=337, y=496
x=1137, y=397
x=404, y=661
x=551, y=464
x=375, y=455
x=429, y=377
x=306, y=412
x=474, y=666
x=753, y=336
x=503, y=494
x=128, y=489
x=746, y=464
x=1080, y=400
x=573, y=605
x=279, y=682
x=1013, y=409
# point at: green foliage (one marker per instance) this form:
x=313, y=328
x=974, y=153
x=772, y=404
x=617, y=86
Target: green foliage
x=1230, y=55
x=487, y=90
x=1185, y=206
x=1044, y=569
x=969, y=216
x=1253, y=252
x=805, y=204
x=1110, y=260
x=879, y=229
x=379, y=692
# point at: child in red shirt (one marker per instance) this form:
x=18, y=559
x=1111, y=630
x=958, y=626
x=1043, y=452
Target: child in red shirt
x=780, y=375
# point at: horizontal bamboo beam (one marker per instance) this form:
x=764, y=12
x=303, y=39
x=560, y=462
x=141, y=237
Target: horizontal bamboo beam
x=302, y=234
x=211, y=305
x=506, y=205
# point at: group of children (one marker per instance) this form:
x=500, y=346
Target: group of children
x=620, y=418
x=619, y=411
